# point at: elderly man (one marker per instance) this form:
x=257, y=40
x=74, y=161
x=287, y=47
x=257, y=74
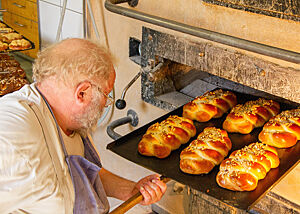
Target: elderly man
x=48, y=163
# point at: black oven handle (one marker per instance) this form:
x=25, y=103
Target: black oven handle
x=263, y=49
x=131, y=118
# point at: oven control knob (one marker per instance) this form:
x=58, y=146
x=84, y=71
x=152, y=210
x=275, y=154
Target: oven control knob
x=120, y=104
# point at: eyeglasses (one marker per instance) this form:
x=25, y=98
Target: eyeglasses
x=109, y=99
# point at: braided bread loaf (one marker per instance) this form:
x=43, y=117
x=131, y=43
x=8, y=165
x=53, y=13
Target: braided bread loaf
x=208, y=150
x=242, y=170
x=210, y=105
x=283, y=130
x=161, y=138
x=244, y=118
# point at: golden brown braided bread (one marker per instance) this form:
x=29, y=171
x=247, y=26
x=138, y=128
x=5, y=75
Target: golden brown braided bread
x=242, y=170
x=283, y=130
x=208, y=150
x=161, y=138
x=210, y=105
x=244, y=118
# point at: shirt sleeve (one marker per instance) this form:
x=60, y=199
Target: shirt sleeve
x=16, y=177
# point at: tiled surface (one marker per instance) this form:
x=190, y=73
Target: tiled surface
x=50, y=13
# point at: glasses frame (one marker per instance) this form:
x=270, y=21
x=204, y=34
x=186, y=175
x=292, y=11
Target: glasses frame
x=109, y=99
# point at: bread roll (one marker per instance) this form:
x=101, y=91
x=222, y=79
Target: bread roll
x=208, y=150
x=210, y=105
x=3, y=46
x=2, y=25
x=9, y=37
x=11, y=84
x=283, y=130
x=244, y=118
x=242, y=170
x=161, y=138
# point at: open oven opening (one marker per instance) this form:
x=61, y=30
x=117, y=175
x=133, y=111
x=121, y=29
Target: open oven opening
x=173, y=84
x=176, y=70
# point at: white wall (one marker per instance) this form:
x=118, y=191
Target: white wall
x=49, y=16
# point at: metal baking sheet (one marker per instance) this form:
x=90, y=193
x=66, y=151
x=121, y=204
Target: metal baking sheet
x=127, y=146
x=11, y=51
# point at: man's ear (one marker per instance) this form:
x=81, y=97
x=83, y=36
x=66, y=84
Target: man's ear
x=83, y=92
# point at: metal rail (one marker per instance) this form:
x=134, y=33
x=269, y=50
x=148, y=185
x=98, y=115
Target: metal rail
x=132, y=118
x=263, y=49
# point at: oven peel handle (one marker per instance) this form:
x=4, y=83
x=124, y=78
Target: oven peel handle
x=248, y=45
x=134, y=200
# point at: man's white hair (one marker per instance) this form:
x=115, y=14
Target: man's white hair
x=72, y=60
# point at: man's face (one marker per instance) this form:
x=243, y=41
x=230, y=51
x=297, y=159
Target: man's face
x=90, y=115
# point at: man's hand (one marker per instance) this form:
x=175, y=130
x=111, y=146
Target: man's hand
x=152, y=189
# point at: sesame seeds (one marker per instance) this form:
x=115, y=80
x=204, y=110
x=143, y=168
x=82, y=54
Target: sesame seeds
x=250, y=107
x=210, y=134
x=286, y=116
x=247, y=156
x=210, y=97
x=256, y=149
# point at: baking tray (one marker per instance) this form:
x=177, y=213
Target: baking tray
x=127, y=146
x=11, y=51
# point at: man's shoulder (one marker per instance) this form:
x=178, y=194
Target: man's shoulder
x=15, y=114
x=21, y=134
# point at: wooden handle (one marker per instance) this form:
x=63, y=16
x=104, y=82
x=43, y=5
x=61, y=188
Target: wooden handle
x=134, y=200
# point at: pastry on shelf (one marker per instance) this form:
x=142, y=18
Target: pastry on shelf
x=5, y=30
x=3, y=46
x=4, y=63
x=9, y=37
x=243, y=118
x=20, y=44
x=11, y=84
x=283, y=130
x=210, y=105
x=208, y=150
x=162, y=138
x=245, y=167
x=2, y=25
x=12, y=71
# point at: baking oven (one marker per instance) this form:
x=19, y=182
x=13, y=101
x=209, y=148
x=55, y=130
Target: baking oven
x=175, y=69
